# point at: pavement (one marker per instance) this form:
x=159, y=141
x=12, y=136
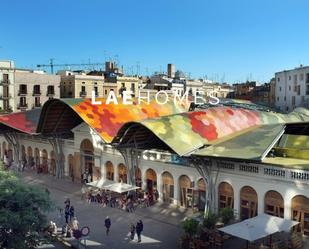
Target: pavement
x=161, y=222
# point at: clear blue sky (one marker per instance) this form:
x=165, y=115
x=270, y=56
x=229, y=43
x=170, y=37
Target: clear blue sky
x=223, y=39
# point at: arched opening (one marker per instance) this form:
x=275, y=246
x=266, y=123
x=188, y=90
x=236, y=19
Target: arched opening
x=37, y=159
x=10, y=153
x=44, y=160
x=4, y=149
x=122, y=173
x=225, y=195
x=186, y=191
x=274, y=204
x=248, y=203
x=200, y=195
x=151, y=180
x=138, y=177
x=300, y=212
x=167, y=187
x=30, y=159
x=71, y=167
x=87, y=160
x=52, y=163
x=109, y=170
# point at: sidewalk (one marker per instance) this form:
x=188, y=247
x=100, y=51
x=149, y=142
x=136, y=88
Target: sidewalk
x=161, y=222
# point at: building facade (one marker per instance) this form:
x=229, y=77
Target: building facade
x=292, y=89
x=23, y=89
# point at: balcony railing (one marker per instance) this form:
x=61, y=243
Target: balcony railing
x=36, y=93
x=22, y=92
x=5, y=96
x=50, y=93
x=5, y=82
x=83, y=94
x=22, y=106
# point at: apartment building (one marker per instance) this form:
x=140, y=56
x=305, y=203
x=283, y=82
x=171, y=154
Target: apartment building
x=119, y=84
x=292, y=88
x=78, y=84
x=23, y=89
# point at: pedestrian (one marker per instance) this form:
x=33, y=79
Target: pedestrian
x=67, y=214
x=67, y=202
x=71, y=213
x=107, y=224
x=139, y=229
x=75, y=224
x=132, y=231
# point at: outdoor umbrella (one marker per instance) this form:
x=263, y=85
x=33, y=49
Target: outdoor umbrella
x=101, y=183
x=120, y=187
x=259, y=227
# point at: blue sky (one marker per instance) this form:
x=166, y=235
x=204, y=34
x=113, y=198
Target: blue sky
x=223, y=39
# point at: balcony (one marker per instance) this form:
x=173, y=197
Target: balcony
x=5, y=82
x=36, y=93
x=22, y=106
x=50, y=94
x=83, y=94
x=34, y=106
x=22, y=92
x=5, y=96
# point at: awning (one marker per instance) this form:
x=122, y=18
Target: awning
x=259, y=227
x=101, y=183
x=120, y=187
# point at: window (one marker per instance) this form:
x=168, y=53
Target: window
x=122, y=85
x=95, y=83
x=277, y=98
x=289, y=88
x=22, y=89
x=290, y=77
x=278, y=79
x=295, y=78
x=284, y=98
x=83, y=89
x=301, y=77
x=83, y=82
x=105, y=92
x=307, y=78
x=37, y=102
x=298, y=90
x=22, y=102
x=307, y=89
x=280, y=88
x=287, y=108
x=36, y=89
x=293, y=101
x=50, y=90
x=96, y=91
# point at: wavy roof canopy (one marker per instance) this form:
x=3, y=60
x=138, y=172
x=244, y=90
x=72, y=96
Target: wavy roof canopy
x=25, y=122
x=186, y=132
x=62, y=115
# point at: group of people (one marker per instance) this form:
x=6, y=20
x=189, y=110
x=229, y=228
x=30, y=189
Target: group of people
x=126, y=202
x=134, y=229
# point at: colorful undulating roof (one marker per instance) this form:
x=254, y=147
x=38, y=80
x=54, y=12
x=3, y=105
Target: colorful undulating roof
x=22, y=121
x=107, y=119
x=187, y=132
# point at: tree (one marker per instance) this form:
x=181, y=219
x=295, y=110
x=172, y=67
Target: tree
x=22, y=212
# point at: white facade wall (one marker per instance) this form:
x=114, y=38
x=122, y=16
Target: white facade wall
x=286, y=89
x=289, y=183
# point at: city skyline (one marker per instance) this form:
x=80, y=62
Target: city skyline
x=233, y=43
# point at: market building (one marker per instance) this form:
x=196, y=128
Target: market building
x=251, y=161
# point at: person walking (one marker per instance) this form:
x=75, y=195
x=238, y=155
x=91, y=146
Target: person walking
x=139, y=229
x=132, y=231
x=67, y=214
x=108, y=224
x=71, y=213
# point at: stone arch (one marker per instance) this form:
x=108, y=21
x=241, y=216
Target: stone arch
x=44, y=161
x=87, y=160
x=225, y=195
x=300, y=212
x=122, y=173
x=109, y=168
x=274, y=203
x=138, y=177
x=248, y=202
x=186, y=191
x=150, y=180
x=167, y=187
x=200, y=195
x=30, y=158
x=52, y=163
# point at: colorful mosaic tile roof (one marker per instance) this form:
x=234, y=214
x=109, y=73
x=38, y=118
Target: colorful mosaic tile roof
x=107, y=119
x=22, y=121
x=187, y=132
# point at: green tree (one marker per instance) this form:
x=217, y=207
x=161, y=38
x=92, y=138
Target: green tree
x=22, y=212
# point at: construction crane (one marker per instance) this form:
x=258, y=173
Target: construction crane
x=51, y=65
